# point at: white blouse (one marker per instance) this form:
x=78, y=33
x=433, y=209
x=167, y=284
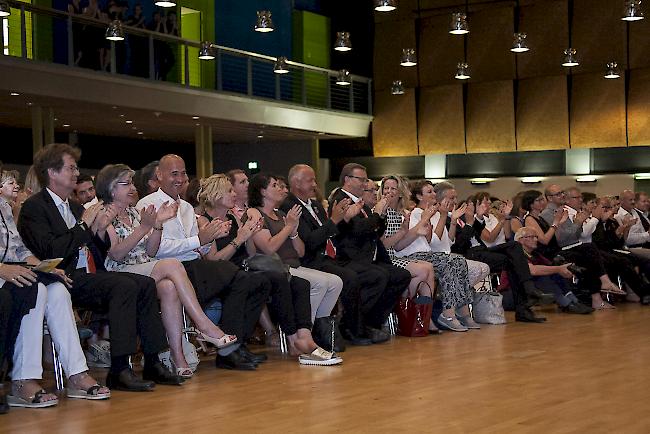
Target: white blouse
x=420, y=244
x=491, y=222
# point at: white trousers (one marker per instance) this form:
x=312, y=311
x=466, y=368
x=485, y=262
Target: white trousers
x=325, y=290
x=476, y=271
x=52, y=303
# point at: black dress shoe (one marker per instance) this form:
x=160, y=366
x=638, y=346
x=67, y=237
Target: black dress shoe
x=527, y=315
x=577, y=308
x=253, y=357
x=355, y=339
x=235, y=360
x=645, y=300
x=161, y=375
x=377, y=336
x=127, y=380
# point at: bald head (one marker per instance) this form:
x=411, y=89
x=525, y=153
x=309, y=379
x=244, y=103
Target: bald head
x=302, y=181
x=171, y=175
x=627, y=200
x=554, y=194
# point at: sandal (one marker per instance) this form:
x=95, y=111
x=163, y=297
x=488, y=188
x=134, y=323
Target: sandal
x=185, y=373
x=319, y=357
x=35, y=401
x=604, y=306
x=222, y=342
x=93, y=393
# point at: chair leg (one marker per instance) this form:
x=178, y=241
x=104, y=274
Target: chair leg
x=392, y=323
x=58, y=367
x=284, y=348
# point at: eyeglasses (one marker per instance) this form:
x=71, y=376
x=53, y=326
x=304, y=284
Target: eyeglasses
x=360, y=178
x=72, y=168
x=529, y=236
x=124, y=182
x=575, y=197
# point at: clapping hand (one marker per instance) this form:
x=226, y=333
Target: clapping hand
x=208, y=232
x=353, y=210
x=293, y=217
x=482, y=208
x=507, y=208
x=339, y=209
x=223, y=229
x=457, y=212
x=148, y=216
x=90, y=214
x=248, y=229
x=166, y=211
x=104, y=218
x=381, y=205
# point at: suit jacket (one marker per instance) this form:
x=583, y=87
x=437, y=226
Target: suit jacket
x=46, y=234
x=464, y=235
x=358, y=239
x=311, y=233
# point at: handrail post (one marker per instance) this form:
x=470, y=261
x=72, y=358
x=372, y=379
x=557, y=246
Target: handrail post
x=152, y=60
x=304, y=86
x=328, y=90
x=249, y=75
x=71, y=48
x=351, y=93
x=219, y=74
x=278, y=92
x=187, y=65
x=23, y=33
x=113, y=59
x=370, y=96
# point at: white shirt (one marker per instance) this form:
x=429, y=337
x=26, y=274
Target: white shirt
x=637, y=235
x=420, y=244
x=91, y=203
x=491, y=222
x=311, y=210
x=180, y=236
x=353, y=197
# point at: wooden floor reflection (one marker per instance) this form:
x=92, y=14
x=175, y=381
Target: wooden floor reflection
x=583, y=374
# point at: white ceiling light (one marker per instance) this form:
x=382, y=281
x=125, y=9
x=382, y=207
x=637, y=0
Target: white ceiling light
x=206, y=51
x=612, y=71
x=385, y=5
x=343, y=78
x=165, y=4
x=408, y=57
x=397, y=88
x=633, y=11
x=462, y=71
x=519, y=45
x=459, y=25
x=586, y=178
x=5, y=10
x=532, y=179
x=114, y=31
x=264, y=23
x=280, y=66
x=570, y=59
x=343, y=42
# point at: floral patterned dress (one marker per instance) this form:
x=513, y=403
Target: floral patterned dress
x=137, y=260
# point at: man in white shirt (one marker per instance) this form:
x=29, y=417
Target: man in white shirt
x=638, y=237
x=242, y=294
x=642, y=204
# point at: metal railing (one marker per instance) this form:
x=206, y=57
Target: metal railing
x=56, y=36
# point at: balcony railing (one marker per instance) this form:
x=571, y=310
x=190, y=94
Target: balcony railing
x=49, y=35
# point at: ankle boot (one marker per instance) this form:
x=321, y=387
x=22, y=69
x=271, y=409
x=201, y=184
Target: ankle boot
x=327, y=335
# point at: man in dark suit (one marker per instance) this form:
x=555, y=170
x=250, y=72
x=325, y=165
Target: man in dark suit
x=54, y=227
x=358, y=249
x=317, y=229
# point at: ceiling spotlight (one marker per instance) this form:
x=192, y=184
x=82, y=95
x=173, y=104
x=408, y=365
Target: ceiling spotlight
x=343, y=42
x=397, y=88
x=570, y=58
x=5, y=10
x=385, y=5
x=140, y=133
x=14, y=94
x=408, y=57
x=264, y=23
x=260, y=136
x=195, y=117
x=165, y=4
x=612, y=70
x=280, y=66
x=343, y=78
x=66, y=125
x=459, y=24
x=519, y=45
x=114, y=31
x=633, y=11
x=206, y=52
x=129, y=121
x=462, y=71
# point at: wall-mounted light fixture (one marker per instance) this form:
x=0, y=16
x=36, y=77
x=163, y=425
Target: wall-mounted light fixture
x=264, y=24
x=641, y=176
x=480, y=181
x=587, y=178
x=532, y=180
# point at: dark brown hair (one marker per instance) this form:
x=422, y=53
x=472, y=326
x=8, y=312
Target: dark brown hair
x=51, y=157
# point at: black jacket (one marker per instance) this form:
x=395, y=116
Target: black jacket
x=465, y=234
x=46, y=234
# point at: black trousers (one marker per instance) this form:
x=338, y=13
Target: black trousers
x=511, y=258
x=381, y=286
x=587, y=256
x=350, y=295
x=619, y=264
x=131, y=303
x=242, y=294
x=290, y=301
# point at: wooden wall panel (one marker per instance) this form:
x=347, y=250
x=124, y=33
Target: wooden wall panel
x=390, y=38
x=441, y=120
x=638, y=111
x=542, y=114
x=489, y=43
x=597, y=112
x=490, y=117
x=440, y=52
x=599, y=35
x=546, y=24
x=639, y=37
x=394, y=129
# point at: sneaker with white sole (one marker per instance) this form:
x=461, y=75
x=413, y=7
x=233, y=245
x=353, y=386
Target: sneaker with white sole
x=450, y=323
x=468, y=322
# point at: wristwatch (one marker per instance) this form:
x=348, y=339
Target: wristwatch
x=82, y=224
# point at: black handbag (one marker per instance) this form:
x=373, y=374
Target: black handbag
x=266, y=263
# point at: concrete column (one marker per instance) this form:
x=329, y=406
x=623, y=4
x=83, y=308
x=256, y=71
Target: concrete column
x=37, y=128
x=315, y=156
x=198, y=146
x=48, y=125
x=203, y=147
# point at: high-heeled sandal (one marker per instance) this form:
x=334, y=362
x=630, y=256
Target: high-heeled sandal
x=613, y=290
x=185, y=373
x=222, y=342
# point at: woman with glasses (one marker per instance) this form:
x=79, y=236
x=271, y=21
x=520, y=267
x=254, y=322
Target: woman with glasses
x=38, y=296
x=135, y=238
x=584, y=255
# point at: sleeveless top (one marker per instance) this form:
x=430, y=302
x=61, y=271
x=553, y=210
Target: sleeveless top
x=286, y=252
x=137, y=255
x=552, y=248
x=221, y=243
x=393, y=224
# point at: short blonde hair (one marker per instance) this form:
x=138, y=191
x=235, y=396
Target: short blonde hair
x=212, y=189
x=523, y=231
x=7, y=175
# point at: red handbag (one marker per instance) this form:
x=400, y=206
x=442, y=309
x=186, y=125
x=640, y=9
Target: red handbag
x=414, y=314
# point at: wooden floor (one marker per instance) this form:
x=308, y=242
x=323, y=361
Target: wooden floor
x=584, y=374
